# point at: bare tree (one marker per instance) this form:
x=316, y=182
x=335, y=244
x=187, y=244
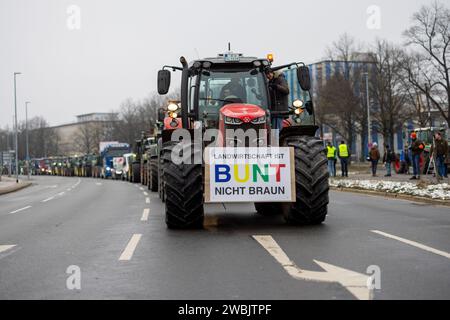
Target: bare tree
x=430, y=33
x=388, y=91
x=338, y=104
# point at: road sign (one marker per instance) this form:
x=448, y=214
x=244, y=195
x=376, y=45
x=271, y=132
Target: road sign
x=249, y=175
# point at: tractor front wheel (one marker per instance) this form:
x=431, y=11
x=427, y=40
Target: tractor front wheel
x=183, y=184
x=311, y=181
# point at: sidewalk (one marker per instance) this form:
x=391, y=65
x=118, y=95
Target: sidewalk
x=8, y=184
x=360, y=179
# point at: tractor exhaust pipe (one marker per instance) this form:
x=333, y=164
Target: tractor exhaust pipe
x=184, y=93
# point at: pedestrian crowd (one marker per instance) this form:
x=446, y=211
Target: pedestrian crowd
x=438, y=158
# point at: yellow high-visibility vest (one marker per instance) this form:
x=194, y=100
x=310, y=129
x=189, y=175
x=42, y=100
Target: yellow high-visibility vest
x=331, y=151
x=343, y=150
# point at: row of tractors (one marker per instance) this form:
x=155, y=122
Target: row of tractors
x=108, y=164
x=229, y=92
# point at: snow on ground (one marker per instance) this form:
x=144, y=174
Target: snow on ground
x=435, y=191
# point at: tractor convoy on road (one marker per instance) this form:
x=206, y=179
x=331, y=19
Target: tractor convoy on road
x=282, y=170
x=225, y=141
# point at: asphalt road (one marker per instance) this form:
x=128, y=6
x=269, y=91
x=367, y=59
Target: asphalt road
x=124, y=251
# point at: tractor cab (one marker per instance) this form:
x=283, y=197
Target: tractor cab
x=231, y=90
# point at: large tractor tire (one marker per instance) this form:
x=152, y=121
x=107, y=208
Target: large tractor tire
x=311, y=181
x=136, y=178
x=153, y=175
x=183, y=184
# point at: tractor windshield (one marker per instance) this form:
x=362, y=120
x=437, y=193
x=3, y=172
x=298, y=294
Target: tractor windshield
x=218, y=88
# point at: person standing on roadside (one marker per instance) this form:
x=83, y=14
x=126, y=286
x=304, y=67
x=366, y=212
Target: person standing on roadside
x=439, y=151
x=331, y=156
x=374, y=156
x=417, y=148
x=344, y=154
x=388, y=158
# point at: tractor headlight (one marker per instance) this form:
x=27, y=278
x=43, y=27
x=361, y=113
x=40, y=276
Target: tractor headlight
x=297, y=104
x=173, y=115
x=230, y=120
x=260, y=120
x=172, y=107
x=298, y=111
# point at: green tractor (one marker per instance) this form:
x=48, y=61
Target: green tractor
x=426, y=135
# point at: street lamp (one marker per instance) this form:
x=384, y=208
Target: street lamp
x=368, y=107
x=15, y=129
x=26, y=136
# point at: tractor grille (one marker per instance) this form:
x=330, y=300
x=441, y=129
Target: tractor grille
x=252, y=136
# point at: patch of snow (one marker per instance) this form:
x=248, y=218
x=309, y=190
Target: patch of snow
x=436, y=191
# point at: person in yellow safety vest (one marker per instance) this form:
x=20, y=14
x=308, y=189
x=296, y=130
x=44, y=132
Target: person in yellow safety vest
x=344, y=154
x=331, y=156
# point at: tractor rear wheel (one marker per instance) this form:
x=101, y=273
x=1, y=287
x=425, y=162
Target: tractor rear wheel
x=311, y=181
x=136, y=173
x=183, y=184
x=153, y=175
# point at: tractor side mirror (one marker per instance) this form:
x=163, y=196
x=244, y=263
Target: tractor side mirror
x=163, y=81
x=303, y=78
x=161, y=115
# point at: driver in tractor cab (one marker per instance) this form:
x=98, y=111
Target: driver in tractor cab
x=233, y=90
x=279, y=91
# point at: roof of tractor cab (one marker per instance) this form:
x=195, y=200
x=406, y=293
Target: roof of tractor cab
x=220, y=60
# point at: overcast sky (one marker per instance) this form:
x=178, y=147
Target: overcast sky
x=121, y=44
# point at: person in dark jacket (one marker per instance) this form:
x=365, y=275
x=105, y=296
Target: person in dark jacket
x=388, y=157
x=439, y=151
x=417, y=148
x=374, y=155
x=279, y=92
x=234, y=89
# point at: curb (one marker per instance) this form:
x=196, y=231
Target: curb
x=16, y=187
x=394, y=196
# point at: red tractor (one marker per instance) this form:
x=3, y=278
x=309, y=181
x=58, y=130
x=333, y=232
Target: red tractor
x=204, y=105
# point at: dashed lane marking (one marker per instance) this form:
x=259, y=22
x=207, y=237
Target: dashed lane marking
x=413, y=243
x=48, y=199
x=145, y=193
x=4, y=248
x=61, y=193
x=127, y=254
x=147, y=200
x=356, y=283
x=21, y=209
x=145, y=214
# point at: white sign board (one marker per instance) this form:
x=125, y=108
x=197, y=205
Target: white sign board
x=249, y=175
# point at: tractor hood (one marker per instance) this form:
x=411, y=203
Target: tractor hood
x=242, y=111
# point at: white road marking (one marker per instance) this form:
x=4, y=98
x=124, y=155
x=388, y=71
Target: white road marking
x=142, y=189
x=21, y=209
x=145, y=214
x=145, y=193
x=76, y=184
x=99, y=183
x=69, y=189
x=48, y=199
x=147, y=200
x=354, y=282
x=127, y=254
x=414, y=244
x=6, y=247
x=61, y=193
